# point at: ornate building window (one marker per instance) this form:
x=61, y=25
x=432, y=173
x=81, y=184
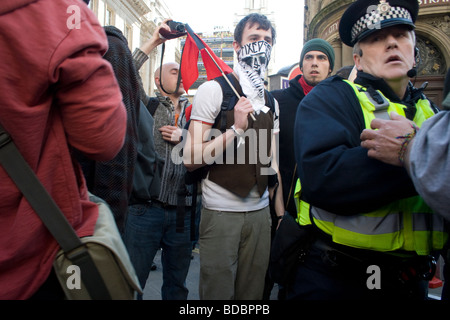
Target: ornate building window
x=432, y=61
x=109, y=17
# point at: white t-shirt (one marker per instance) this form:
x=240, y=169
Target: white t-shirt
x=206, y=107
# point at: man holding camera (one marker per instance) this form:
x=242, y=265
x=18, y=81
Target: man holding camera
x=152, y=221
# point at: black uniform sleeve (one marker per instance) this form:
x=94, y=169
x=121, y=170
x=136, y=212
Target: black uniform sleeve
x=335, y=172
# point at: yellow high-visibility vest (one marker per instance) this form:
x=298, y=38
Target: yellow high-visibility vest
x=407, y=224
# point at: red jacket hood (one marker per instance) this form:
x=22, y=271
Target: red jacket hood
x=10, y=5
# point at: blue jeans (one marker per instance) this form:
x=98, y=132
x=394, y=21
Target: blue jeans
x=149, y=228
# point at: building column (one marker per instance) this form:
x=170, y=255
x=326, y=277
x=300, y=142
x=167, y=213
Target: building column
x=337, y=46
x=347, y=56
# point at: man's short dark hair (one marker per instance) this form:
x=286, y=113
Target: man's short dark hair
x=251, y=19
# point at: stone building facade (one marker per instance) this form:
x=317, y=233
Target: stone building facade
x=137, y=19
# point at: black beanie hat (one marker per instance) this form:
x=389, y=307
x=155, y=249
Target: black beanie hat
x=318, y=45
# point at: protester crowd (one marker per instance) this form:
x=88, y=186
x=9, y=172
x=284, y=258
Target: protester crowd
x=335, y=174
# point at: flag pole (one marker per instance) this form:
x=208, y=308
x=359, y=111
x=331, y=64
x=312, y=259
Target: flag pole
x=188, y=29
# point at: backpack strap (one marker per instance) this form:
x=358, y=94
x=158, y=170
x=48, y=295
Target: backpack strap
x=229, y=99
x=152, y=105
x=228, y=93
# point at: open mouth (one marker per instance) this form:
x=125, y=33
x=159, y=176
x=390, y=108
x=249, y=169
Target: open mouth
x=394, y=58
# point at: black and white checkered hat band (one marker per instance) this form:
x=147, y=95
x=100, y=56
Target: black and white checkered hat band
x=373, y=19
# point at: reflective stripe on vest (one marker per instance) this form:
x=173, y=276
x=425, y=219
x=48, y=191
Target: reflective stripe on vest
x=302, y=206
x=386, y=229
x=407, y=224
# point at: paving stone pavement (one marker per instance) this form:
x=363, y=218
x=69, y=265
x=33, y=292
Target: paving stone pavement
x=152, y=290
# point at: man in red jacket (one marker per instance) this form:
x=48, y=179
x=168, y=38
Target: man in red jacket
x=57, y=93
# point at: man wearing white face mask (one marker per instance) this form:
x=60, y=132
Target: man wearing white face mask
x=235, y=222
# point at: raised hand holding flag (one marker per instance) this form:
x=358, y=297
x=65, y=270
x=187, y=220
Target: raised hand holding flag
x=214, y=66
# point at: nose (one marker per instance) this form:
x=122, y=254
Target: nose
x=391, y=42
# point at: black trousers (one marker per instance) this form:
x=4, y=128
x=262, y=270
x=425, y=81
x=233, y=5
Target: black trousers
x=328, y=275
x=50, y=290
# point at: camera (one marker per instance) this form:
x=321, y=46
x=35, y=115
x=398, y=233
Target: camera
x=176, y=26
x=177, y=29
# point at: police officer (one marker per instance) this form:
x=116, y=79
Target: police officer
x=373, y=235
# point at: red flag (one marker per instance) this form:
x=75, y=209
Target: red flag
x=189, y=68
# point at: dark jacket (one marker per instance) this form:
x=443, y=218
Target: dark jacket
x=336, y=173
x=288, y=100
x=113, y=180
x=147, y=172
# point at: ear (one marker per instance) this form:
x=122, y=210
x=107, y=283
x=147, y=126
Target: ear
x=357, y=60
x=236, y=46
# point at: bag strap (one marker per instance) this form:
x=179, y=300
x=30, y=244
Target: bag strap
x=52, y=217
x=152, y=105
x=229, y=100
